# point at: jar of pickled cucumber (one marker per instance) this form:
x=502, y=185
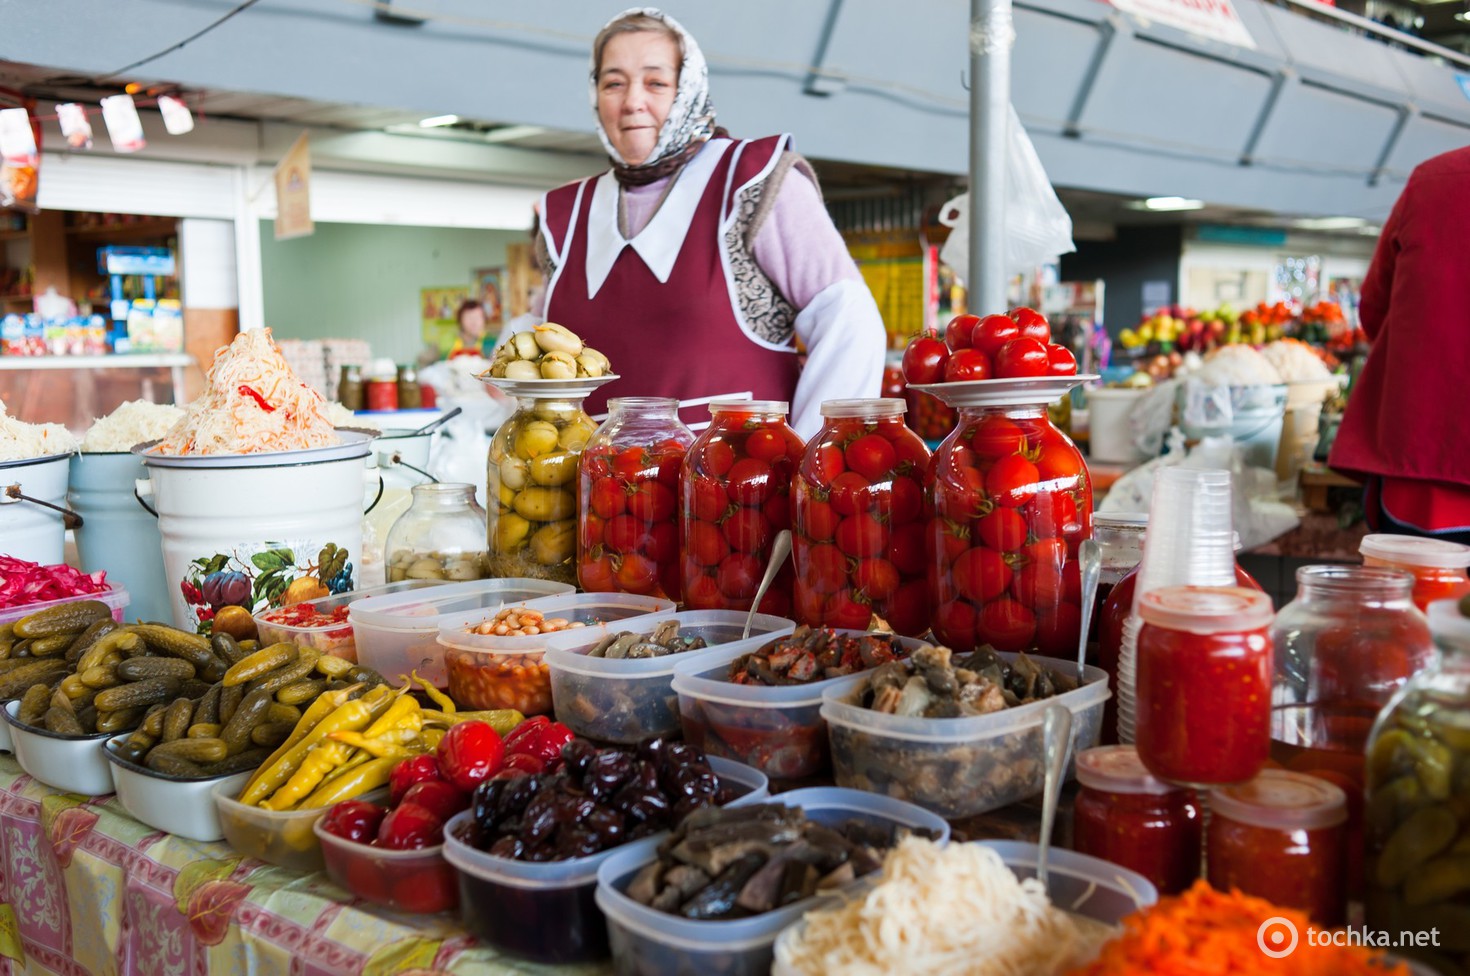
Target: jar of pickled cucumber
x=1418, y=810
x=531, y=481
x=440, y=537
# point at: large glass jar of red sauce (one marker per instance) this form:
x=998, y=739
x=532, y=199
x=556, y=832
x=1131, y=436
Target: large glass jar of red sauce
x=1009, y=500
x=1282, y=837
x=1438, y=565
x=628, y=499
x=858, y=499
x=1125, y=815
x=1204, y=683
x=735, y=495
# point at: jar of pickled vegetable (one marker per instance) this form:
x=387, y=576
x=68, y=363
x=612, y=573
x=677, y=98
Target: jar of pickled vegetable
x=627, y=527
x=735, y=495
x=1438, y=565
x=1418, y=810
x=1125, y=815
x=1010, y=500
x=1204, y=683
x=858, y=499
x=1281, y=837
x=440, y=537
x=532, y=482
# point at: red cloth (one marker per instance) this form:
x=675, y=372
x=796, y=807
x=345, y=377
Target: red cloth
x=680, y=338
x=1406, y=416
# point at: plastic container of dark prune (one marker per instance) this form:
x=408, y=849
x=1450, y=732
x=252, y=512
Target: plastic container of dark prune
x=545, y=911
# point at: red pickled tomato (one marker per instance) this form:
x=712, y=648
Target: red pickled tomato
x=995, y=437
x=877, y=579
x=1057, y=630
x=824, y=570
x=590, y=531
x=441, y=799
x=776, y=602
x=1012, y=481
x=907, y=611
x=777, y=511
x=624, y=534
x=871, y=456
x=861, y=535
x=818, y=519
x=1032, y=323
x=703, y=593
x=981, y=574
x=992, y=332
x=826, y=463
x=1059, y=461
x=906, y=501
x=811, y=606
x=652, y=502
x=1052, y=514
x=1038, y=585
x=739, y=575
x=1003, y=529
x=628, y=464
x=596, y=575
x=913, y=456
x=952, y=539
x=765, y=445
x=1021, y=357
x=906, y=548
x=923, y=360
x=795, y=446
x=607, y=498
x=750, y=481
x=846, y=613
x=1005, y=625
x=596, y=462
x=661, y=542
x=1060, y=361
x=637, y=574
x=668, y=468
x=706, y=543
x=710, y=500
x=954, y=624
x=747, y=530
x=849, y=493
x=960, y=499
x=966, y=365
x=957, y=332
x=716, y=458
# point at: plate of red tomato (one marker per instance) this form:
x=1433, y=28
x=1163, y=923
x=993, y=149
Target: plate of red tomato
x=992, y=359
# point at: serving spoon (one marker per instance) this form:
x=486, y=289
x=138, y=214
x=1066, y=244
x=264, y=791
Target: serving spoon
x=780, y=549
x=1056, y=733
x=1089, y=554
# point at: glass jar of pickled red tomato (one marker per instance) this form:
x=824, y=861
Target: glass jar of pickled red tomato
x=1282, y=837
x=735, y=495
x=1010, y=500
x=1438, y=565
x=858, y=539
x=1125, y=815
x=531, y=488
x=627, y=525
x=1203, y=713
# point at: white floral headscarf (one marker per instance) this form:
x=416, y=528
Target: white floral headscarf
x=692, y=117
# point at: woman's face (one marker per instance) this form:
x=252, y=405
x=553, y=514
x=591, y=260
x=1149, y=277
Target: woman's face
x=472, y=323
x=635, y=91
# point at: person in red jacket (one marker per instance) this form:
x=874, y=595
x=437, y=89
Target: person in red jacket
x=1405, y=426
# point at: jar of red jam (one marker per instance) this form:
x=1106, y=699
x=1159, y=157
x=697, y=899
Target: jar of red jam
x=1282, y=837
x=1125, y=815
x=1010, y=500
x=735, y=495
x=858, y=499
x=1203, y=686
x=628, y=493
x=1438, y=565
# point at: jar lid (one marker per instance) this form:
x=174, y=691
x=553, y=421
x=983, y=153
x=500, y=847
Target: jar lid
x=748, y=406
x=876, y=407
x=1121, y=520
x=1283, y=800
x=1117, y=769
x=1206, y=609
x=1415, y=551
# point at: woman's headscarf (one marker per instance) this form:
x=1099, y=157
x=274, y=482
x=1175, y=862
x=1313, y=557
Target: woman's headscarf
x=691, y=120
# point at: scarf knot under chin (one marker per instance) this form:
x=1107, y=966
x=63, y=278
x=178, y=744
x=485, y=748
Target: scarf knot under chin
x=644, y=174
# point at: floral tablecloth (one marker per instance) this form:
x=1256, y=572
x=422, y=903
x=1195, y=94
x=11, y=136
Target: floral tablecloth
x=86, y=890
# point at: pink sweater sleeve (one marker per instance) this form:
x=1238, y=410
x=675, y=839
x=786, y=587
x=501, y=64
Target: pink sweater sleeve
x=798, y=246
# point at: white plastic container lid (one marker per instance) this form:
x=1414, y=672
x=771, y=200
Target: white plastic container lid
x=566, y=650
x=1206, y=609
x=749, y=406
x=1117, y=769
x=1282, y=800
x=1412, y=550
x=416, y=612
x=876, y=407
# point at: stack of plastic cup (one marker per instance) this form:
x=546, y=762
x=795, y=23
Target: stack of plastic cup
x=1190, y=542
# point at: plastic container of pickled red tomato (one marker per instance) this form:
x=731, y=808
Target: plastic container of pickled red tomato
x=1282, y=837
x=735, y=495
x=1012, y=501
x=858, y=526
x=1125, y=815
x=628, y=492
x=1438, y=565
x=1204, y=683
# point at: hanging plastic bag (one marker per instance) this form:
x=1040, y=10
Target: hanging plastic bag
x=1038, y=229
x=20, y=161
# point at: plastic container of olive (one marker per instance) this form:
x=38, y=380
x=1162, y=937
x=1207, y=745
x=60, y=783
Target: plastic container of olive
x=490, y=671
x=626, y=700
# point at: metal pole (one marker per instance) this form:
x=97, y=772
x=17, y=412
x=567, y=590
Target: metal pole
x=991, y=36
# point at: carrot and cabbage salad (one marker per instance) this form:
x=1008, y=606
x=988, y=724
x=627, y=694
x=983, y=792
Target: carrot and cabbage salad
x=1205, y=932
x=254, y=403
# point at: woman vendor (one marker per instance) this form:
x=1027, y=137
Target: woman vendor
x=698, y=261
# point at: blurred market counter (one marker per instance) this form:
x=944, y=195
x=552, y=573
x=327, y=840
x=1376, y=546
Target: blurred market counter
x=85, y=890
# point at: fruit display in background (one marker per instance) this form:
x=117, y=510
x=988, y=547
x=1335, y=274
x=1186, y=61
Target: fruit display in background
x=1017, y=344
x=858, y=546
x=735, y=494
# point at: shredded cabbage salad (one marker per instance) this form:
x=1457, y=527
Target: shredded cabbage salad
x=21, y=442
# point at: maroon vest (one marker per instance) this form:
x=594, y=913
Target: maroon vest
x=681, y=338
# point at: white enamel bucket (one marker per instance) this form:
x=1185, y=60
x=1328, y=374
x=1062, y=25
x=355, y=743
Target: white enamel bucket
x=28, y=528
x=116, y=535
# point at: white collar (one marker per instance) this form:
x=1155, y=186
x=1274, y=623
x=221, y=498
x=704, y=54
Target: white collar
x=658, y=243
